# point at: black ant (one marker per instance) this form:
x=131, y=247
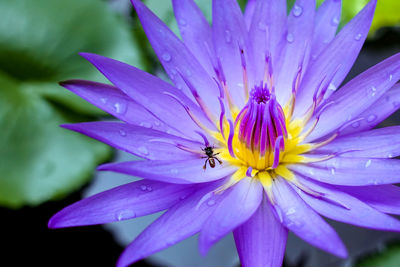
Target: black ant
x=210, y=157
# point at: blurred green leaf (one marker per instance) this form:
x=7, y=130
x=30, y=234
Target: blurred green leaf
x=386, y=14
x=40, y=41
x=40, y=160
x=39, y=45
x=388, y=257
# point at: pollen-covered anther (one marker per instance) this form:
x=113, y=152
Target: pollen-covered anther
x=261, y=130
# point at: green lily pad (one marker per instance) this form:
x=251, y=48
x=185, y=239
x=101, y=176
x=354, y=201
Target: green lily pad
x=387, y=257
x=39, y=45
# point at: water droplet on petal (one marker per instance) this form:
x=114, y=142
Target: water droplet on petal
x=371, y=118
x=157, y=123
x=228, y=36
x=143, y=187
x=182, y=22
x=211, y=202
x=356, y=124
x=333, y=171
x=368, y=163
x=143, y=150
x=262, y=26
x=390, y=156
x=290, y=38
x=166, y=57
x=145, y=124
x=396, y=104
x=357, y=37
x=125, y=215
x=122, y=133
x=103, y=100
x=335, y=21
x=297, y=10
x=290, y=211
x=390, y=77
x=372, y=91
x=174, y=171
x=120, y=108
x=149, y=188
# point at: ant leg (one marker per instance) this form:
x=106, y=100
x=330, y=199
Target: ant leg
x=219, y=161
x=205, y=164
x=217, y=153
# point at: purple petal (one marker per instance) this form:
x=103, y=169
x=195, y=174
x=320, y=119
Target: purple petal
x=327, y=20
x=112, y=100
x=121, y=203
x=195, y=32
x=230, y=33
x=140, y=141
x=338, y=56
x=176, y=58
x=149, y=91
x=357, y=95
x=297, y=46
x=179, y=222
x=352, y=171
x=172, y=171
x=342, y=207
x=385, y=198
x=249, y=12
x=377, y=143
x=298, y=217
x=261, y=240
x=270, y=20
x=386, y=105
x=235, y=208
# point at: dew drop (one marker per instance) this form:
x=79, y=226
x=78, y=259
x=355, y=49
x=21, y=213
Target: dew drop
x=182, y=22
x=333, y=171
x=166, y=57
x=103, y=100
x=174, y=171
x=357, y=37
x=372, y=91
x=188, y=73
x=371, y=118
x=290, y=211
x=335, y=21
x=314, y=57
x=390, y=77
x=356, y=124
x=297, y=10
x=262, y=26
x=396, y=104
x=290, y=38
x=182, y=197
x=368, y=163
x=211, y=202
x=390, y=156
x=149, y=188
x=125, y=215
x=120, y=108
x=228, y=36
x=143, y=187
x=143, y=150
x=157, y=123
x=145, y=124
x=122, y=133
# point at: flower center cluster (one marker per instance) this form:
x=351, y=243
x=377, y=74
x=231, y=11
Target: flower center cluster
x=261, y=131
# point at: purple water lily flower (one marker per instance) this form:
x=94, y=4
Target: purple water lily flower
x=251, y=136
